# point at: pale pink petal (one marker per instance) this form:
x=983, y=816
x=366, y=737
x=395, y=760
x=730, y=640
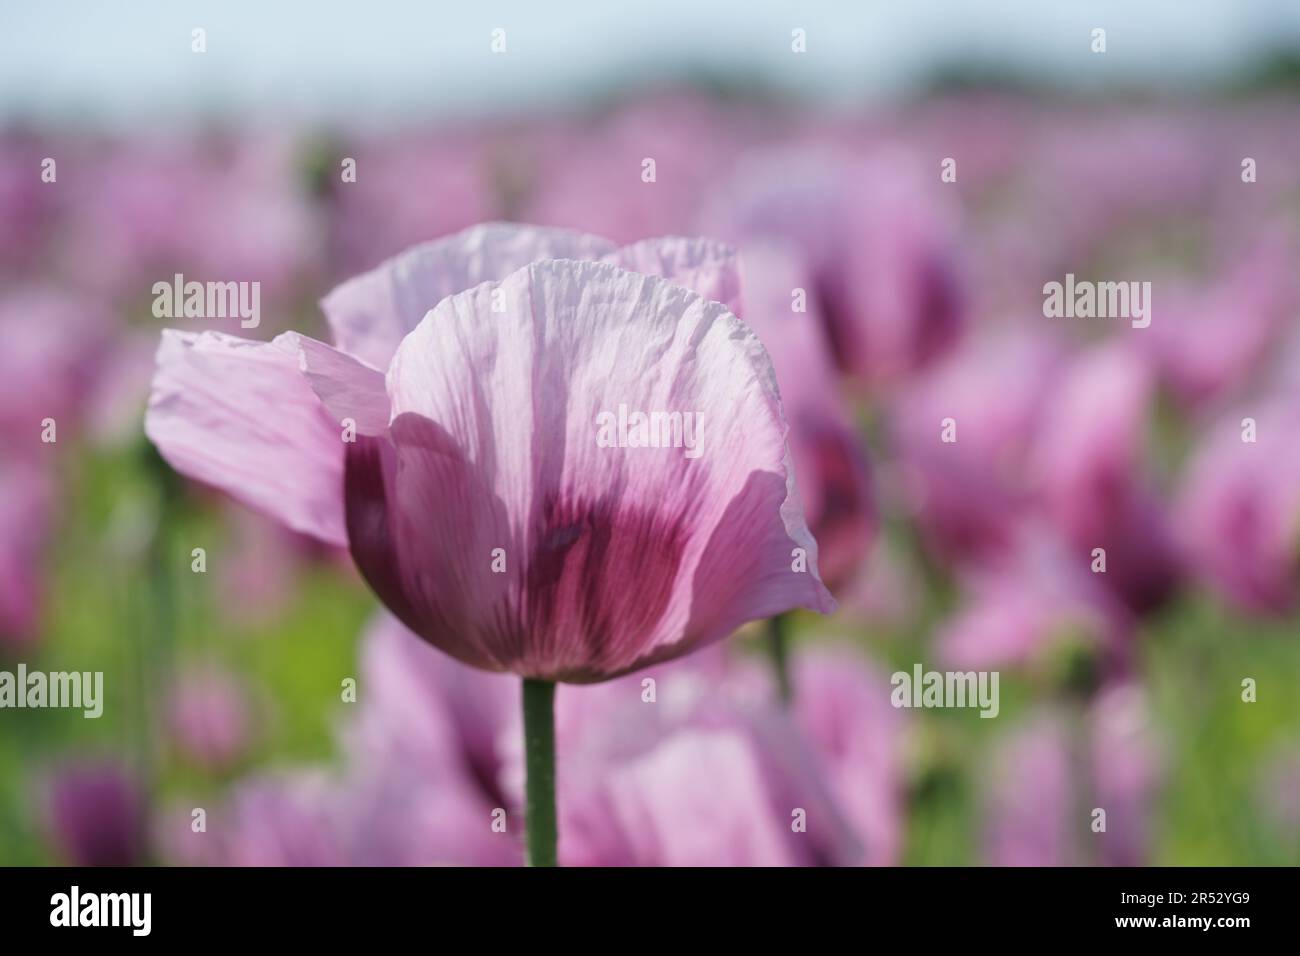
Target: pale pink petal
x=659, y=809
x=423, y=710
x=346, y=387
x=704, y=266
x=291, y=818
x=844, y=709
x=240, y=415
x=370, y=314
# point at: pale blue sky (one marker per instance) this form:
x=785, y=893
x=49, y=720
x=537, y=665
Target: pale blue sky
x=378, y=60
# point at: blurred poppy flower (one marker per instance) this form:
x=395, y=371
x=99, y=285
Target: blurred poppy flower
x=1091, y=470
x=685, y=763
x=1036, y=600
x=880, y=242
x=652, y=164
x=961, y=436
x=26, y=513
x=95, y=813
x=830, y=458
x=1239, y=507
x=1052, y=774
x=209, y=716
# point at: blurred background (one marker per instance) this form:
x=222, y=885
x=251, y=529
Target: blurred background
x=1169, y=156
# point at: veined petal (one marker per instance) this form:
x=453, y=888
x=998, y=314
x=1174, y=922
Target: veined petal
x=371, y=313
x=348, y=388
x=704, y=266
x=618, y=439
x=241, y=416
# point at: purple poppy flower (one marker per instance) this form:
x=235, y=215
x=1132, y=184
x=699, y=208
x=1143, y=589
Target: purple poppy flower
x=209, y=717
x=830, y=459
x=1239, y=508
x=492, y=496
x=95, y=813
x=1091, y=470
x=879, y=238
x=1052, y=775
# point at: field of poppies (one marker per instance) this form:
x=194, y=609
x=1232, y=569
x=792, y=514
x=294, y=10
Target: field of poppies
x=705, y=481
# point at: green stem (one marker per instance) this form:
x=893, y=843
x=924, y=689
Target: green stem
x=539, y=761
x=778, y=645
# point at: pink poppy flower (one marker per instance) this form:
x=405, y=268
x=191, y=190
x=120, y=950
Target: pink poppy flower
x=1028, y=819
x=417, y=785
x=530, y=486
x=370, y=314
x=54, y=348
x=656, y=809
x=481, y=447
x=1052, y=774
x=433, y=758
x=797, y=787
x=1092, y=475
x=880, y=240
x=1239, y=508
x=28, y=206
x=291, y=467
x=49, y=371
x=408, y=188
x=1220, y=334
x=220, y=210
x=461, y=465
x=1032, y=600
x=830, y=459
x=448, y=723
x=290, y=818
x=209, y=717
x=1128, y=768
x=963, y=433
x=858, y=739
x=599, y=181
